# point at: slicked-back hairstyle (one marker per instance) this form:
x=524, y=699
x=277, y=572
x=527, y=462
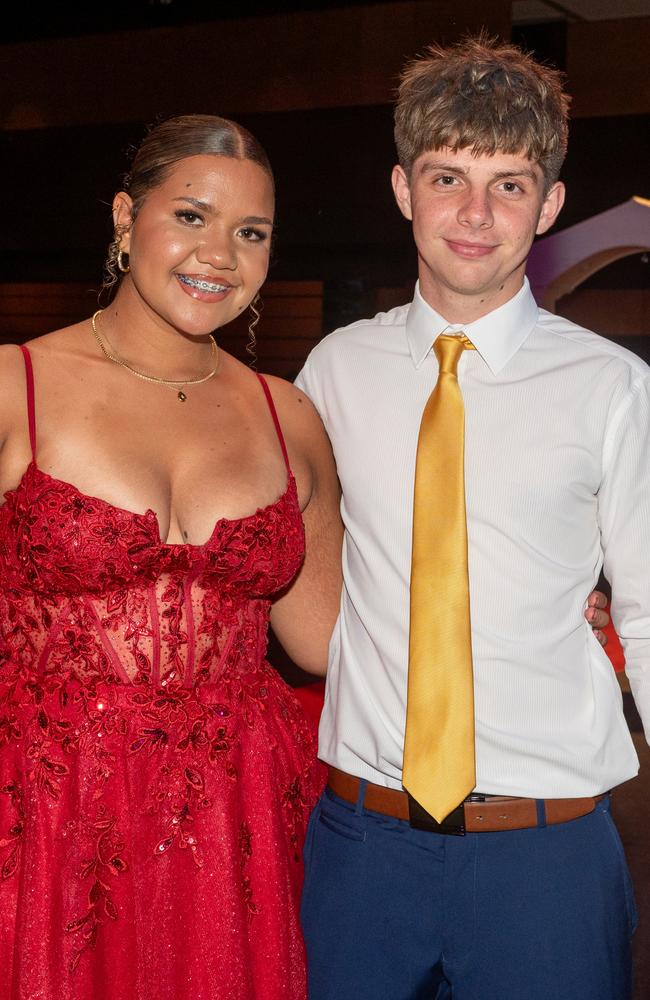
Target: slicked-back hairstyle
x=166, y=145
x=188, y=135
x=484, y=96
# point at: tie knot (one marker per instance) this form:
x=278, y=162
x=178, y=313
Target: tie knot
x=448, y=350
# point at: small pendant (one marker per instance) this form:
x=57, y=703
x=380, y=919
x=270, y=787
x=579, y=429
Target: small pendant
x=181, y=396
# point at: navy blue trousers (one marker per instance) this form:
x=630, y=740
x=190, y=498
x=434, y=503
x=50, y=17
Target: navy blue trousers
x=393, y=913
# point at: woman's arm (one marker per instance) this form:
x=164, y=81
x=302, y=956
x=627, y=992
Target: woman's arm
x=304, y=616
x=15, y=451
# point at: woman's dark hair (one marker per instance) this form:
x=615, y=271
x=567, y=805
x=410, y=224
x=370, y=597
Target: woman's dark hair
x=188, y=135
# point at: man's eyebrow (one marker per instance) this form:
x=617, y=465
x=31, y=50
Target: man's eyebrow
x=451, y=168
x=524, y=172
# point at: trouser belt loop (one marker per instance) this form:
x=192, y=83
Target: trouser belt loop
x=361, y=796
x=541, y=812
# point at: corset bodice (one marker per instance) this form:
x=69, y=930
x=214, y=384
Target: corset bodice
x=92, y=592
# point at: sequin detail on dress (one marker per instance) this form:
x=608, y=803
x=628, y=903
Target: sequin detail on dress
x=156, y=774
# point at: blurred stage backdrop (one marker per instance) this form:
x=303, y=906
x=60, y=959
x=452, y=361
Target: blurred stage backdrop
x=315, y=84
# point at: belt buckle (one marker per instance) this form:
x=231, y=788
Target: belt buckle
x=420, y=819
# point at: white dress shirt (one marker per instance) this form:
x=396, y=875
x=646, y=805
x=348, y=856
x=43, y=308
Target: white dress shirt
x=557, y=479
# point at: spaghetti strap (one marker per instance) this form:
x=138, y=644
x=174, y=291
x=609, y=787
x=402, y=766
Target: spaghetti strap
x=269, y=399
x=31, y=412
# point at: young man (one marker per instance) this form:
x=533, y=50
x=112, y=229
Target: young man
x=480, y=860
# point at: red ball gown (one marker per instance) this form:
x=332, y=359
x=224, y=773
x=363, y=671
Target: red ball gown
x=156, y=774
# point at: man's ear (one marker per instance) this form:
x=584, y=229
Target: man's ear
x=123, y=218
x=551, y=207
x=402, y=191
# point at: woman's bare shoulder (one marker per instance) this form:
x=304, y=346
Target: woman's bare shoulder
x=293, y=405
x=68, y=340
x=12, y=389
x=296, y=411
x=12, y=374
x=13, y=369
x=302, y=427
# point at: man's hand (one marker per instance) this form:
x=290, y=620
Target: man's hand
x=597, y=618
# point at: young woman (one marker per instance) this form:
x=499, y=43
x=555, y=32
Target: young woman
x=156, y=774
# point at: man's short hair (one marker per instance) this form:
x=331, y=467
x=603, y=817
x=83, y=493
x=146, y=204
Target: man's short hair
x=486, y=96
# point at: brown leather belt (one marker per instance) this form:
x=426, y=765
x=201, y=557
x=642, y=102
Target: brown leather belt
x=479, y=813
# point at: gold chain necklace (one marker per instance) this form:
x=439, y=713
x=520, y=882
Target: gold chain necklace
x=173, y=383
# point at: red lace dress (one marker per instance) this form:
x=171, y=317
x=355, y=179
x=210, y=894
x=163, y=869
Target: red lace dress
x=156, y=774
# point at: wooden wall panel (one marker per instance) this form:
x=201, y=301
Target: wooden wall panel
x=30, y=309
x=311, y=59
x=291, y=322
x=607, y=67
x=614, y=313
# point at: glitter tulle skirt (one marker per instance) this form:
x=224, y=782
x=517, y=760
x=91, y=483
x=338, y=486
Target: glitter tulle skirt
x=150, y=843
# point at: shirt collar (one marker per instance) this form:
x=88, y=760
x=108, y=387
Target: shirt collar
x=496, y=336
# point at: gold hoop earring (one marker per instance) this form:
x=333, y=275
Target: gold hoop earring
x=114, y=266
x=254, y=311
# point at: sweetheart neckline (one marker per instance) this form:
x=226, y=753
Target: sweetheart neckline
x=149, y=513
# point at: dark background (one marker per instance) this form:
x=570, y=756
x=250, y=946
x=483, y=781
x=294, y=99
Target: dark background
x=337, y=221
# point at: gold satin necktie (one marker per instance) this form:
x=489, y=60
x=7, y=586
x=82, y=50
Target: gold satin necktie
x=439, y=764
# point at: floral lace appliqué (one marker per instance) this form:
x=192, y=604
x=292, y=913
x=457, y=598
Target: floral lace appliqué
x=139, y=722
